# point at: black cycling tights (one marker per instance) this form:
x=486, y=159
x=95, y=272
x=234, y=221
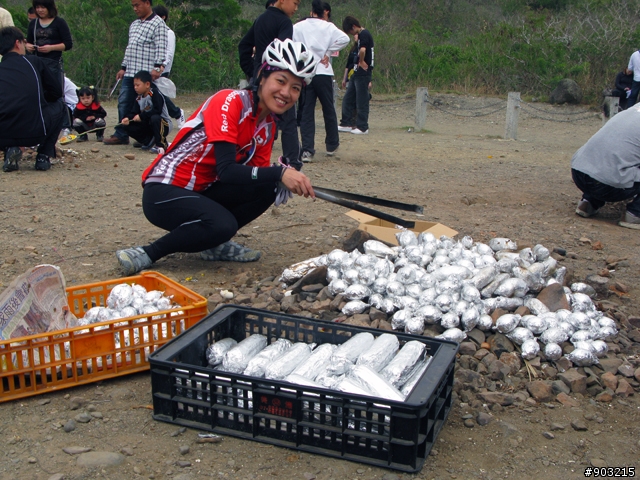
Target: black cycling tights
x=199, y=221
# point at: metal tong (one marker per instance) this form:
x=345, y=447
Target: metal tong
x=349, y=200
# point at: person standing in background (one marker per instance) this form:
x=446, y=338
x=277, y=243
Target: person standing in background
x=274, y=23
x=323, y=38
x=361, y=78
x=634, y=66
x=146, y=51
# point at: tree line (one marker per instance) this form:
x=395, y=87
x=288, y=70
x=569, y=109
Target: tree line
x=468, y=46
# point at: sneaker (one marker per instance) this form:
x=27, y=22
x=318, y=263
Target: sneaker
x=331, y=153
x=157, y=150
x=99, y=137
x=345, y=129
x=11, y=158
x=65, y=131
x=42, y=162
x=137, y=145
x=181, y=120
x=230, y=252
x=630, y=221
x=115, y=140
x=357, y=131
x=132, y=260
x=307, y=157
x=82, y=138
x=585, y=209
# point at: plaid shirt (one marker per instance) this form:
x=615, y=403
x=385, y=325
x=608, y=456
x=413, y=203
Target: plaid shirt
x=147, y=46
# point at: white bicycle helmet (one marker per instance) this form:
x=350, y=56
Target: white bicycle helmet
x=293, y=56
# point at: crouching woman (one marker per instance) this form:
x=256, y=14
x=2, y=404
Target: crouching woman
x=216, y=176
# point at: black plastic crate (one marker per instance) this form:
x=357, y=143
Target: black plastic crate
x=385, y=433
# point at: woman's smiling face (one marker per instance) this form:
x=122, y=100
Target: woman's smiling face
x=279, y=91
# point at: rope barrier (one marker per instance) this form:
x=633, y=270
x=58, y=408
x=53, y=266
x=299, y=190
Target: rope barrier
x=466, y=116
x=526, y=110
x=530, y=105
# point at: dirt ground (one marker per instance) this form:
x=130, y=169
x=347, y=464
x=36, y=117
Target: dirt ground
x=466, y=176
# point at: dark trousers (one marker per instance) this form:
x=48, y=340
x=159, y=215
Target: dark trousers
x=154, y=130
x=320, y=89
x=199, y=221
x=633, y=98
x=622, y=95
x=597, y=193
x=126, y=101
x=359, y=90
x=290, y=142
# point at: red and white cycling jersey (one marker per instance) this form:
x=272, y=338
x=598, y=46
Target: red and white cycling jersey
x=226, y=116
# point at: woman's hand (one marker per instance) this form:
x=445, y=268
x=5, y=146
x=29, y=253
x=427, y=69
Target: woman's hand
x=45, y=48
x=124, y=121
x=298, y=183
x=136, y=119
x=30, y=47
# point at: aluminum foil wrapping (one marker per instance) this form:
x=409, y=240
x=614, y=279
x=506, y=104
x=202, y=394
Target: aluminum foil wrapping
x=288, y=361
x=519, y=335
x=603, y=322
x=380, y=353
x=406, y=275
x=584, y=345
x=300, y=380
x=582, y=336
x=448, y=271
x=414, y=290
x=512, y=287
x=429, y=313
x=415, y=377
x=469, y=318
x=153, y=296
x=257, y=365
x=237, y=358
x=400, y=318
x=488, y=291
x=375, y=301
x=443, y=302
x=536, y=306
x=600, y=348
x=357, y=291
x=217, y=351
x=552, y=351
x=470, y=293
x=497, y=244
x=541, y=253
x=349, y=351
x=380, y=285
x=450, y=320
x=414, y=326
x=366, y=276
x=164, y=303
x=554, y=335
x=317, y=362
x=426, y=237
x=406, y=302
x=485, y=322
x=567, y=327
x=354, y=307
x=337, y=286
x=379, y=249
x=579, y=320
x=400, y=368
x=365, y=261
x=387, y=306
x=370, y=380
x=428, y=296
x=560, y=274
x=336, y=257
x=348, y=385
x=507, y=323
x=582, y=358
x=527, y=255
x=395, y=288
x=606, y=333
x=128, y=311
x=484, y=277
x=536, y=324
x=529, y=349
x=383, y=267
x=581, y=302
x=120, y=296
x=351, y=275
x=406, y=238
x=466, y=241
x=448, y=287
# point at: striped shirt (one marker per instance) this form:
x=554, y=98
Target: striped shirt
x=147, y=46
x=226, y=116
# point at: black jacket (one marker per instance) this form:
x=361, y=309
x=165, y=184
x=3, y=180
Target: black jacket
x=624, y=81
x=57, y=32
x=93, y=110
x=27, y=85
x=272, y=24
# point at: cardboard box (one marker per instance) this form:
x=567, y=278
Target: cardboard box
x=386, y=231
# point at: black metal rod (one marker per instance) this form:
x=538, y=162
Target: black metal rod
x=320, y=193
x=373, y=200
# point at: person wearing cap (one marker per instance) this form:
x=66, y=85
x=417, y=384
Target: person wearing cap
x=216, y=176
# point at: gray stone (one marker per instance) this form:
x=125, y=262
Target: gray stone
x=316, y=276
x=69, y=426
x=467, y=348
x=76, y=402
x=483, y=418
x=559, y=386
x=126, y=451
x=548, y=435
x=184, y=449
x=599, y=284
x=500, y=344
x=477, y=336
x=626, y=370
x=579, y=425
x=540, y=390
x=100, y=459
x=76, y=450
x=469, y=423
x=557, y=426
x=183, y=463
x=610, y=364
x=56, y=476
x=563, y=364
x=598, y=463
x=468, y=377
x=83, y=418
x=567, y=91
x=500, y=398
x=312, y=476
x=391, y=476
x=554, y=298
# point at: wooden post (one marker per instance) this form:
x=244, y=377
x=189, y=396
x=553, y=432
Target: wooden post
x=513, y=108
x=610, y=108
x=422, y=98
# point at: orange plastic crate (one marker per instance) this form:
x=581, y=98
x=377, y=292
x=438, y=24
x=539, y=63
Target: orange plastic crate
x=75, y=356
